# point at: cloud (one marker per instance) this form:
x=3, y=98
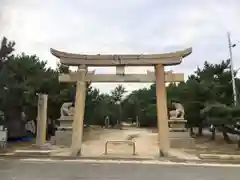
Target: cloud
x=135, y=26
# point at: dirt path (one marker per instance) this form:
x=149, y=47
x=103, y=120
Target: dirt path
x=146, y=141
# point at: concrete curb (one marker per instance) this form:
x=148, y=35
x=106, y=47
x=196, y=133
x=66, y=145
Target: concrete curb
x=220, y=161
x=176, y=160
x=103, y=157
x=29, y=156
x=220, y=156
x=17, y=156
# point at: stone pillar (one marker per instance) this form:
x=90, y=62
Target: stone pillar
x=77, y=133
x=41, y=120
x=162, y=116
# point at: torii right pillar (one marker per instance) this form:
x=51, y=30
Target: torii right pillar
x=162, y=115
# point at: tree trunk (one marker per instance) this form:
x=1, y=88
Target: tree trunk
x=213, y=137
x=225, y=136
x=15, y=124
x=191, y=132
x=200, y=130
x=238, y=143
x=120, y=116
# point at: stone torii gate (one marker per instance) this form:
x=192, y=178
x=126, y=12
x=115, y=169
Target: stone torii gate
x=81, y=77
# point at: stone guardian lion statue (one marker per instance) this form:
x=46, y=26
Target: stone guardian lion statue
x=67, y=109
x=178, y=113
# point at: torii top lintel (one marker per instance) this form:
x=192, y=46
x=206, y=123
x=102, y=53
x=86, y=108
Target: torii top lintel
x=172, y=58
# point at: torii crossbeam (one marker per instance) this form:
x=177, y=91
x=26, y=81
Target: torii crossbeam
x=173, y=58
x=141, y=78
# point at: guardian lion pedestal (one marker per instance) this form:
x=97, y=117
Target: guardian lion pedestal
x=179, y=135
x=63, y=135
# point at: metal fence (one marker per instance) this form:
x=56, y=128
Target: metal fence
x=121, y=142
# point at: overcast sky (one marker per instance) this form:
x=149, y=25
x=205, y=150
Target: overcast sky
x=123, y=26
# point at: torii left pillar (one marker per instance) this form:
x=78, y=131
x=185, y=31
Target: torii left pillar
x=77, y=133
x=162, y=116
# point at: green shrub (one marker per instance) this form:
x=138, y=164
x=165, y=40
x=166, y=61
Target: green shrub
x=217, y=114
x=235, y=114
